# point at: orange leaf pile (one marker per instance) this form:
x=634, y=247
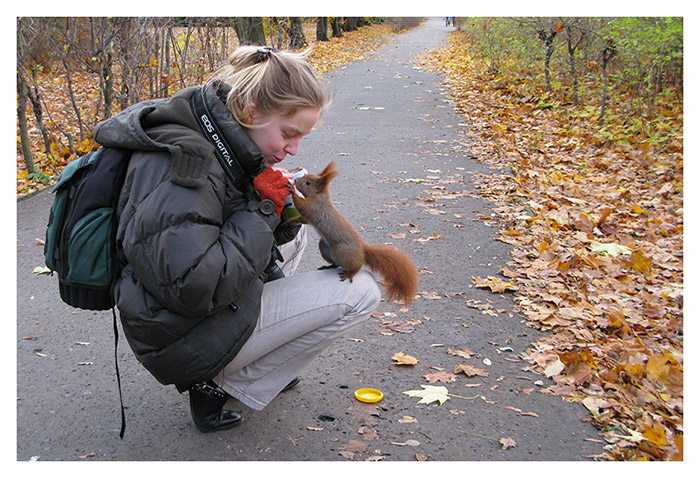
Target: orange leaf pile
x=597, y=234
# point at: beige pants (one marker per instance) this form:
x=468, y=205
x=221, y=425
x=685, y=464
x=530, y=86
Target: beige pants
x=301, y=315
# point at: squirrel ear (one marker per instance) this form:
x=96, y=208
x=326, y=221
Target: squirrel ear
x=329, y=172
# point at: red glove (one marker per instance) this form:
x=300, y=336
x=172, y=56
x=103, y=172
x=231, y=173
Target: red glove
x=271, y=184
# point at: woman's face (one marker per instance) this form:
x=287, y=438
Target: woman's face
x=277, y=136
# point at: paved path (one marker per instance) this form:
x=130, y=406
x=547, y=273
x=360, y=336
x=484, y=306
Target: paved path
x=396, y=141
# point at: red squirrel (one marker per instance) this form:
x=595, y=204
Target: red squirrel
x=342, y=246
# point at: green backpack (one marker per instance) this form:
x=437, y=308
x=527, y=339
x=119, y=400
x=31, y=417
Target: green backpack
x=80, y=237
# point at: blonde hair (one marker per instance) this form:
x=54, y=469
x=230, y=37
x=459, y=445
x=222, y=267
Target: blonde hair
x=277, y=82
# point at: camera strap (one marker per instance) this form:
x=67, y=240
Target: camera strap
x=224, y=152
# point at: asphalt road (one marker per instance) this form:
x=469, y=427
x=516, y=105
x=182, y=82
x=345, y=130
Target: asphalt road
x=396, y=141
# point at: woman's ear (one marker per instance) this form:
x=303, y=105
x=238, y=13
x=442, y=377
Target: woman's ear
x=248, y=113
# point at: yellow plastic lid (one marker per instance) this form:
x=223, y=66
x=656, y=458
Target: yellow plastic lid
x=368, y=395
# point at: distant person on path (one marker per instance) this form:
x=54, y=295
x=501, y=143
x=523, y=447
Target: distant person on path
x=208, y=299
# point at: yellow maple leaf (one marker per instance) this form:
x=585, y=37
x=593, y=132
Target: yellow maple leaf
x=430, y=394
x=655, y=434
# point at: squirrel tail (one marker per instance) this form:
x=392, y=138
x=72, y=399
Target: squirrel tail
x=399, y=273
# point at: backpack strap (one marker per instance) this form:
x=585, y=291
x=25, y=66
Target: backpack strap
x=119, y=381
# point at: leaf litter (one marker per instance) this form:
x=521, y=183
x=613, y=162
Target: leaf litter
x=596, y=225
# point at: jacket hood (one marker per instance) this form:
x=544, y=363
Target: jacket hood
x=170, y=125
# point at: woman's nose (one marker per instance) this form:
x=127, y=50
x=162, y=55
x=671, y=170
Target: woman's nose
x=292, y=147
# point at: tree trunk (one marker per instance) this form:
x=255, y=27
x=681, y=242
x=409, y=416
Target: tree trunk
x=108, y=85
x=22, y=122
x=296, y=34
x=35, y=100
x=350, y=24
x=572, y=46
x=574, y=76
x=548, y=40
x=249, y=30
x=335, y=26
x=167, y=36
x=608, y=53
x=322, y=29
x=547, y=64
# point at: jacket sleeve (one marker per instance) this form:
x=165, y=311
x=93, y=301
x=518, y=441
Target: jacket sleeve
x=187, y=255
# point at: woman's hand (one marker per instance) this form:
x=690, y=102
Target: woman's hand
x=272, y=184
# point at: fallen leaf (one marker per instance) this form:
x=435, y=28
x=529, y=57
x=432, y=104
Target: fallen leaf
x=595, y=404
x=406, y=443
x=407, y=419
x=347, y=454
x=641, y=263
x=430, y=394
x=404, y=327
x=362, y=411
x=402, y=359
x=43, y=270
x=466, y=353
x=445, y=377
x=494, y=283
x=554, y=368
x=424, y=240
x=507, y=442
x=355, y=446
x=470, y=371
x=656, y=434
x=610, y=249
x=375, y=457
x=368, y=433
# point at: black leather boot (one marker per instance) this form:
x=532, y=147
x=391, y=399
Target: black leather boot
x=207, y=402
x=291, y=385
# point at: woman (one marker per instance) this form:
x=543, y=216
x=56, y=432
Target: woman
x=195, y=298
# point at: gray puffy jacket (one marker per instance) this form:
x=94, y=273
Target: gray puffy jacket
x=189, y=296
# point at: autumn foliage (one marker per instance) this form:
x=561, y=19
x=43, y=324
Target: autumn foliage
x=595, y=218
x=159, y=55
